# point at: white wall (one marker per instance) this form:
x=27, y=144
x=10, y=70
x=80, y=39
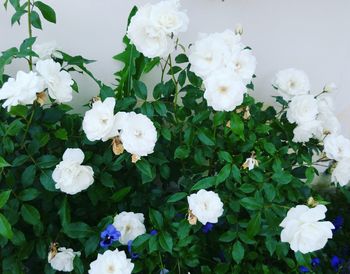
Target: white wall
x=311, y=35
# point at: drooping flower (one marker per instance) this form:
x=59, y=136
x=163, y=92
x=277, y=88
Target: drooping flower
x=206, y=206
x=138, y=135
x=303, y=269
x=44, y=50
x=114, y=262
x=336, y=262
x=340, y=173
x=224, y=90
x=302, y=109
x=58, y=82
x=22, y=90
x=315, y=262
x=108, y=236
x=207, y=227
x=133, y=255
x=70, y=176
x=337, y=147
x=338, y=222
x=250, y=163
x=304, y=231
x=62, y=259
x=291, y=82
x=130, y=225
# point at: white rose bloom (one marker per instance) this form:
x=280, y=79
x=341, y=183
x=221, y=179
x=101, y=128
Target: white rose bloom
x=59, y=83
x=244, y=65
x=63, y=260
x=44, y=50
x=130, y=225
x=167, y=16
x=307, y=130
x=224, y=90
x=341, y=173
x=292, y=82
x=304, y=231
x=330, y=87
x=22, y=90
x=149, y=39
x=208, y=55
x=325, y=103
x=100, y=123
x=337, y=147
x=231, y=39
x=70, y=176
x=302, y=108
x=111, y=262
x=138, y=134
x=329, y=124
x=206, y=206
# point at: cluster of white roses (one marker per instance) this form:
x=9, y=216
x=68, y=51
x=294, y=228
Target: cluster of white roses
x=226, y=66
x=154, y=28
x=130, y=131
x=30, y=87
x=304, y=231
x=314, y=115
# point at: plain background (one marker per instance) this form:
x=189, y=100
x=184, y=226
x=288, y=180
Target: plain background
x=312, y=35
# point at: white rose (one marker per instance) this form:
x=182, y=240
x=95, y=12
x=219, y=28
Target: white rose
x=206, y=206
x=302, y=108
x=44, y=50
x=330, y=87
x=329, y=124
x=70, y=176
x=208, y=55
x=59, y=83
x=292, y=82
x=138, y=135
x=167, y=16
x=303, y=230
x=231, y=39
x=341, y=173
x=224, y=90
x=63, y=259
x=22, y=90
x=149, y=39
x=244, y=65
x=337, y=147
x=325, y=103
x=307, y=130
x=109, y=262
x=130, y=225
x=100, y=123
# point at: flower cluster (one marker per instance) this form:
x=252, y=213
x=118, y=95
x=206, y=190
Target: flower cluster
x=154, y=28
x=226, y=66
x=130, y=131
x=314, y=115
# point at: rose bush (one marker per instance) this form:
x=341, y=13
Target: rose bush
x=192, y=175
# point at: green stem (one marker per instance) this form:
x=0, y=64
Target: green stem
x=175, y=83
x=27, y=128
x=30, y=32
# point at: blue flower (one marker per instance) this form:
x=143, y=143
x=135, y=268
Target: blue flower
x=207, y=227
x=133, y=255
x=164, y=271
x=338, y=223
x=153, y=232
x=303, y=269
x=108, y=236
x=315, y=262
x=336, y=262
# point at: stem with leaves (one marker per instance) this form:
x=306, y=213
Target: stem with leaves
x=30, y=32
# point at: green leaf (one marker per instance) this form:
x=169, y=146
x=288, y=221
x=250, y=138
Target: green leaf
x=61, y=134
x=223, y=174
x=237, y=125
x=78, y=265
x=250, y=203
x=47, y=161
x=238, y=252
x=30, y=214
x=14, y=128
x=206, y=137
x=28, y=194
x=106, y=92
x=156, y=218
x=166, y=241
x=282, y=178
x=3, y=163
x=181, y=152
x=269, y=191
x=247, y=188
x=181, y=58
x=77, y=230
x=35, y=20
x=47, y=182
x=176, y=197
x=225, y=156
x=5, y=227
x=144, y=167
x=254, y=225
x=4, y=196
x=48, y=12
x=140, y=89
x=160, y=108
x=228, y=236
x=204, y=183
x=121, y=194
x=271, y=245
x=19, y=110
x=64, y=212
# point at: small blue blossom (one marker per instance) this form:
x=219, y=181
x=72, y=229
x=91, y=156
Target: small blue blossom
x=153, y=232
x=338, y=223
x=207, y=227
x=108, y=236
x=315, y=262
x=133, y=255
x=303, y=269
x=336, y=262
x=164, y=271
